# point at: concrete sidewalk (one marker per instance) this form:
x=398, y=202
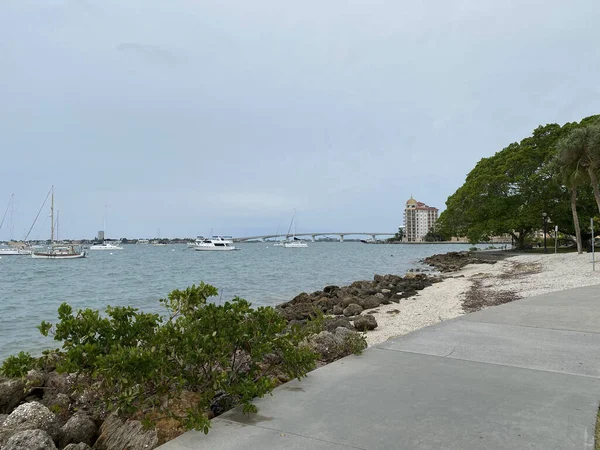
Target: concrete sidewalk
x=525, y=375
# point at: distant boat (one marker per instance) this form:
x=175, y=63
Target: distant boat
x=157, y=240
x=105, y=246
x=215, y=244
x=14, y=251
x=294, y=242
x=14, y=248
x=57, y=251
x=143, y=241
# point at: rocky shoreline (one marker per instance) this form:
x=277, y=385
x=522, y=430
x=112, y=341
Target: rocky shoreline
x=48, y=410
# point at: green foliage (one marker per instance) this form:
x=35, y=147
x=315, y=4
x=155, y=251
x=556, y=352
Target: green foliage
x=398, y=236
x=17, y=366
x=354, y=343
x=508, y=192
x=145, y=362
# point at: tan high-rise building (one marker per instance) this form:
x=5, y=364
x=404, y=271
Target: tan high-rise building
x=419, y=219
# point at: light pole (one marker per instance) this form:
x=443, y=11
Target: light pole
x=545, y=216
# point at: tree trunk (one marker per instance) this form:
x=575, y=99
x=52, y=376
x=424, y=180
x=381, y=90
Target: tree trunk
x=594, y=181
x=576, y=219
x=521, y=241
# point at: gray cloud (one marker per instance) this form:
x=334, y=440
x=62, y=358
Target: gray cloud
x=190, y=115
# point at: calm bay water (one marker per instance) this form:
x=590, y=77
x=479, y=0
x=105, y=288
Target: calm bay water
x=32, y=290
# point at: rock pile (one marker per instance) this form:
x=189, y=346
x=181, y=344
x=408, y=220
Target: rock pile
x=350, y=305
x=37, y=413
x=453, y=261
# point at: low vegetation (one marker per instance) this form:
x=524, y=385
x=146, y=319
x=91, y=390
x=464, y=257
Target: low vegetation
x=142, y=364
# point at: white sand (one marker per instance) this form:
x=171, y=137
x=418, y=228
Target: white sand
x=524, y=275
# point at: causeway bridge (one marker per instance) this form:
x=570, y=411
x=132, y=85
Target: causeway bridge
x=313, y=235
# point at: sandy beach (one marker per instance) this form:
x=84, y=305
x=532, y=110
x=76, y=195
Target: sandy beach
x=483, y=285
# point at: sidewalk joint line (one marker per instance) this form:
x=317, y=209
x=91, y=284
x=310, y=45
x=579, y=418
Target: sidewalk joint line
x=487, y=362
x=525, y=326
x=297, y=434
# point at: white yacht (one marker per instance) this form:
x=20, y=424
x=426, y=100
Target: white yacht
x=143, y=241
x=14, y=251
x=105, y=246
x=216, y=243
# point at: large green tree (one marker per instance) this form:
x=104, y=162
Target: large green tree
x=508, y=192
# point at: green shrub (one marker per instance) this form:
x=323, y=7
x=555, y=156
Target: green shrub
x=18, y=366
x=354, y=343
x=141, y=362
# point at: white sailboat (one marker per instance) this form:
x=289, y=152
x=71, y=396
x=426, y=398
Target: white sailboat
x=61, y=251
x=293, y=242
x=104, y=245
x=157, y=241
x=14, y=248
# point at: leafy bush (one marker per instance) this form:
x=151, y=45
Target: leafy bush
x=143, y=362
x=18, y=366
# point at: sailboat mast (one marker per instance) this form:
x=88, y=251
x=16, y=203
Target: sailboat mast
x=12, y=209
x=7, y=208
x=52, y=217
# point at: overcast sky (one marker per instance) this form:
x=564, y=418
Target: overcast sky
x=187, y=116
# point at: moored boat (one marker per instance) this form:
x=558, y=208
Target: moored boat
x=14, y=251
x=292, y=241
x=216, y=243
x=105, y=246
x=58, y=251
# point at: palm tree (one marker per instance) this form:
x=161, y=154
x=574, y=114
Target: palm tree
x=572, y=179
x=579, y=154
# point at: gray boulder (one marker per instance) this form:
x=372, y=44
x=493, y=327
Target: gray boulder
x=29, y=416
x=342, y=333
x=338, y=310
x=365, y=323
x=60, y=382
x=80, y=446
x=369, y=302
x=30, y=440
x=3, y=418
x=118, y=435
x=326, y=345
x=56, y=402
x=332, y=325
x=78, y=428
x=379, y=295
x=11, y=394
x=347, y=301
x=352, y=310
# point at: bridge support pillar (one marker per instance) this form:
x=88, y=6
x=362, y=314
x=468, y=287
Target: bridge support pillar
x=341, y=238
x=374, y=237
x=313, y=238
